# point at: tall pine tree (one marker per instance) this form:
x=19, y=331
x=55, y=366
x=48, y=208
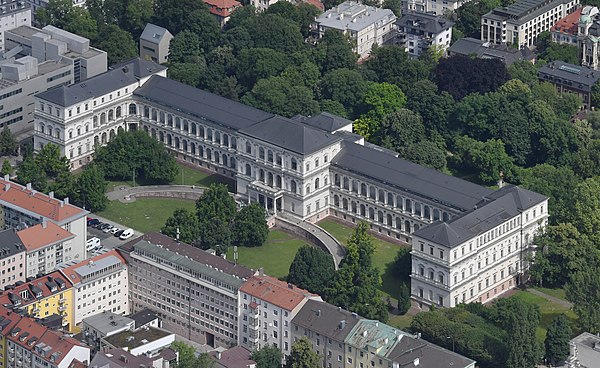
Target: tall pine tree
x=557, y=340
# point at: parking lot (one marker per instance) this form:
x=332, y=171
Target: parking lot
x=108, y=240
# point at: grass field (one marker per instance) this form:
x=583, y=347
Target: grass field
x=557, y=293
x=189, y=177
x=145, y=214
x=383, y=258
x=275, y=256
x=549, y=311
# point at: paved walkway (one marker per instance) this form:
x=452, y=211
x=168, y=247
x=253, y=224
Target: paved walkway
x=561, y=302
x=127, y=194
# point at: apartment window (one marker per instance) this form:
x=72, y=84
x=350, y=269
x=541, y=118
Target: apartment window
x=441, y=254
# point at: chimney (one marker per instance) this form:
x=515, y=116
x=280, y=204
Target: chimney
x=6, y=177
x=123, y=358
x=218, y=355
x=342, y=324
x=6, y=187
x=51, y=194
x=318, y=313
x=28, y=186
x=66, y=200
x=290, y=285
x=44, y=223
x=261, y=271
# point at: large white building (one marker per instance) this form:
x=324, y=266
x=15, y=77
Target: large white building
x=522, y=22
x=13, y=14
x=479, y=255
x=305, y=168
x=366, y=25
x=417, y=32
x=100, y=284
x=269, y=305
x=434, y=7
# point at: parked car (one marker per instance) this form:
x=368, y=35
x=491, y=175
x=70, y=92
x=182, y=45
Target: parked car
x=118, y=233
x=114, y=230
x=126, y=234
x=99, y=225
x=92, y=244
x=108, y=228
x=106, y=225
x=93, y=222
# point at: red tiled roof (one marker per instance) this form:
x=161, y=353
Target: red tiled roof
x=316, y=3
x=39, y=283
x=568, y=24
x=60, y=344
x=72, y=276
x=222, y=8
x=274, y=291
x=38, y=236
x=236, y=357
x=38, y=203
x=8, y=319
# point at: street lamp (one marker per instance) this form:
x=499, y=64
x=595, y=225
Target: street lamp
x=451, y=337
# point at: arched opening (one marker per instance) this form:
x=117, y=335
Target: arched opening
x=104, y=140
x=407, y=226
x=336, y=180
x=362, y=210
x=390, y=199
x=110, y=115
x=193, y=148
x=261, y=153
x=118, y=111
x=224, y=160
x=336, y=201
x=372, y=192
x=226, y=140
x=112, y=134
x=103, y=118
x=132, y=109
x=389, y=221
x=363, y=189
x=261, y=175
x=248, y=170
x=278, y=181
x=161, y=137
x=345, y=204
x=316, y=183
x=371, y=213
x=293, y=187
x=169, y=140
x=177, y=143
x=346, y=183
x=270, y=179
x=380, y=216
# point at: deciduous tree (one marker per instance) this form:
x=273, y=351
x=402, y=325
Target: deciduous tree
x=250, y=227
x=187, y=223
x=268, y=356
x=90, y=189
x=8, y=143
x=117, y=43
x=557, y=340
x=302, y=355
x=312, y=269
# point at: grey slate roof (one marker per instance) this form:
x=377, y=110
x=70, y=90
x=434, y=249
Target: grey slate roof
x=99, y=85
x=468, y=46
x=291, y=135
x=559, y=72
x=353, y=16
x=199, y=103
x=496, y=208
x=408, y=350
x=524, y=10
x=141, y=68
x=326, y=319
x=10, y=244
x=153, y=33
x=588, y=352
x=143, y=317
x=410, y=177
x=415, y=22
x=324, y=121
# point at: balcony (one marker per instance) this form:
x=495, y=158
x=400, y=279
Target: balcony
x=62, y=300
x=62, y=308
x=430, y=281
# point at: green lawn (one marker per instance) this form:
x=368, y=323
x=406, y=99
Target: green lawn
x=275, y=256
x=383, y=258
x=401, y=322
x=557, y=293
x=145, y=214
x=189, y=177
x=549, y=311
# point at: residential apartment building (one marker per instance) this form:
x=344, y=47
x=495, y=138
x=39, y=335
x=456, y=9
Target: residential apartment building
x=13, y=14
x=269, y=305
x=48, y=245
x=326, y=327
x=12, y=258
x=194, y=293
x=100, y=284
x=468, y=260
x=154, y=43
x=78, y=117
x=521, y=23
x=222, y=9
x=36, y=4
x=434, y=7
x=566, y=30
x=570, y=78
x=51, y=43
x=417, y=32
x=30, y=345
x=104, y=324
x=588, y=33
x=38, y=60
x=43, y=297
x=24, y=208
x=365, y=25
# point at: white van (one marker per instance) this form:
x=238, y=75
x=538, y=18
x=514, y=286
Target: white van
x=126, y=234
x=91, y=244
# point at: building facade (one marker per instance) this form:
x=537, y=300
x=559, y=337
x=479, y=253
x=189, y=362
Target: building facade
x=154, y=43
x=79, y=117
x=522, y=22
x=418, y=31
x=269, y=305
x=566, y=30
x=12, y=258
x=588, y=37
x=366, y=25
x=43, y=297
x=193, y=292
x=569, y=78
x=465, y=260
x=222, y=9
x=13, y=14
x=432, y=6
x=99, y=284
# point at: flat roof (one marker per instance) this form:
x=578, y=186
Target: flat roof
x=107, y=322
x=133, y=339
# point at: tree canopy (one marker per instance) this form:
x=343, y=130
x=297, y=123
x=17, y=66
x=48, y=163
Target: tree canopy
x=312, y=269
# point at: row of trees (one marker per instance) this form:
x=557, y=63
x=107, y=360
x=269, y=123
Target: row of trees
x=501, y=335
x=217, y=224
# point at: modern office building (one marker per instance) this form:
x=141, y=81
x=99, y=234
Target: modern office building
x=102, y=325
x=12, y=258
x=154, y=43
x=570, y=78
x=194, y=293
x=100, y=284
x=521, y=23
x=365, y=25
x=13, y=14
x=269, y=305
x=417, y=32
